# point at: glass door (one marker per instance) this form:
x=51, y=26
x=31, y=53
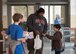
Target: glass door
x=51, y=12
x=24, y=10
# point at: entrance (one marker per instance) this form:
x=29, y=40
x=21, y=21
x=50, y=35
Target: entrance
x=50, y=14
x=51, y=10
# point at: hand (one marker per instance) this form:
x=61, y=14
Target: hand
x=37, y=32
x=23, y=40
x=44, y=34
x=3, y=33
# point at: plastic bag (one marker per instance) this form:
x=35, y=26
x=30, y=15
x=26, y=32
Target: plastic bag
x=37, y=42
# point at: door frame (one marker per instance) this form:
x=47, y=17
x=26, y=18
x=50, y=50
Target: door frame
x=37, y=5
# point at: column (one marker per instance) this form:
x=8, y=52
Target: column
x=73, y=17
x=63, y=14
x=1, y=42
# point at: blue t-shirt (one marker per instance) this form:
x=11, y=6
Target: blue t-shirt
x=15, y=31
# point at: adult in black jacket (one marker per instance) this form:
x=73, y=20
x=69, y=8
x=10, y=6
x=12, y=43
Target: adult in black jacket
x=37, y=23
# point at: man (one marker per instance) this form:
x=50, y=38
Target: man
x=37, y=23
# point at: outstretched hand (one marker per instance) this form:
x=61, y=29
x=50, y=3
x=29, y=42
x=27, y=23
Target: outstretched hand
x=3, y=33
x=44, y=34
x=37, y=32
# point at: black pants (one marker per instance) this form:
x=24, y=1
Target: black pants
x=57, y=52
x=35, y=52
x=30, y=46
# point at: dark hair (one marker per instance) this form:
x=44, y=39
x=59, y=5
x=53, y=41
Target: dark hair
x=41, y=10
x=57, y=26
x=17, y=16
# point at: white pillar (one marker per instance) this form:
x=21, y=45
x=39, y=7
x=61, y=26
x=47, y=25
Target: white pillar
x=73, y=13
x=63, y=14
x=4, y=19
x=73, y=17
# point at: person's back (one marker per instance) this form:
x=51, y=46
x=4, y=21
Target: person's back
x=13, y=31
x=16, y=34
x=57, y=21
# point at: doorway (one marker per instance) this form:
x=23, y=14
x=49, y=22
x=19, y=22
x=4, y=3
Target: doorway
x=50, y=14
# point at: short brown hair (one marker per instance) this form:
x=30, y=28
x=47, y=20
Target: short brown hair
x=17, y=16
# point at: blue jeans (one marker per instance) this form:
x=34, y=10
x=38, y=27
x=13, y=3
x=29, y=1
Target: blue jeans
x=57, y=50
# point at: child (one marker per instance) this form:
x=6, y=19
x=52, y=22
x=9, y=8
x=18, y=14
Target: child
x=56, y=39
x=16, y=33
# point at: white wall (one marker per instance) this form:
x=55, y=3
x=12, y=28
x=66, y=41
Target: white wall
x=73, y=13
x=5, y=21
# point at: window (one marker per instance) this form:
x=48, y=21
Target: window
x=24, y=10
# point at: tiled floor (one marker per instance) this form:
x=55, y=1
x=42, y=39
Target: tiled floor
x=47, y=48
x=67, y=51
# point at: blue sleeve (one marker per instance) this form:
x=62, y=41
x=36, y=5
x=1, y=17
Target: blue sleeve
x=8, y=31
x=19, y=33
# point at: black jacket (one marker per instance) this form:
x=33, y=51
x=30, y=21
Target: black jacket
x=56, y=39
x=37, y=23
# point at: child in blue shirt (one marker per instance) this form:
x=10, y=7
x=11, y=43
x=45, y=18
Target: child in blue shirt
x=16, y=33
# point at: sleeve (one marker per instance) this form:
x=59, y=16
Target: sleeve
x=30, y=23
x=57, y=36
x=19, y=33
x=45, y=27
x=8, y=31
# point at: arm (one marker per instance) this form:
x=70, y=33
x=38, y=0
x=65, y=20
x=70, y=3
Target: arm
x=56, y=36
x=45, y=27
x=30, y=22
x=6, y=33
